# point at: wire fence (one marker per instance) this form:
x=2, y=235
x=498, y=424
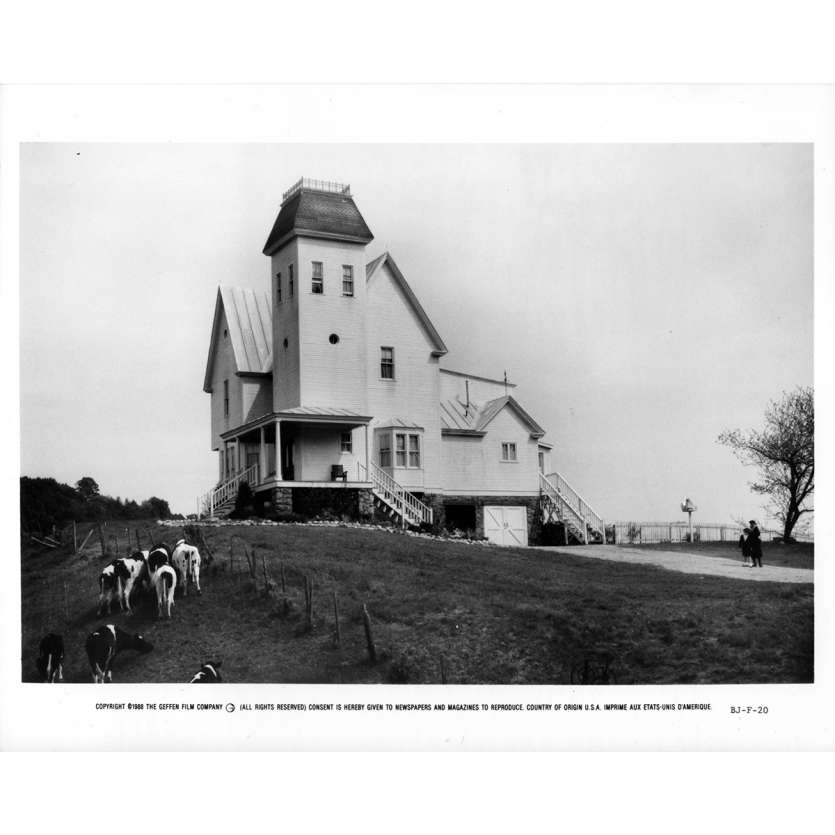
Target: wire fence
x=652, y=533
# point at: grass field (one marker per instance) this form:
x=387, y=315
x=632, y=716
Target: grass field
x=470, y=613
x=798, y=555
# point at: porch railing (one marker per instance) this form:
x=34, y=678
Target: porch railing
x=410, y=508
x=225, y=491
x=565, y=498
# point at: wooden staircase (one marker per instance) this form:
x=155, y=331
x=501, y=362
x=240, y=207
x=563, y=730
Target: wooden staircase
x=395, y=500
x=219, y=502
x=561, y=503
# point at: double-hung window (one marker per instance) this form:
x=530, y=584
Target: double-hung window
x=345, y=442
x=278, y=287
x=347, y=280
x=508, y=451
x=290, y=281
x=385, y=449
x=226, y=398
x=407, y=450
x=414, y=451
x=399, y=450
x=387, y=363
x=318, y=284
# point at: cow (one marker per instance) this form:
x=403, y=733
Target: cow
x=158, y=555
x=109, y=586
x=129, y=571
x=51, y=658
x=207, y=674
x=164, y=582
x=105, y=643
x=186, y=559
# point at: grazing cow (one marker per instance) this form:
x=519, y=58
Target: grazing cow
x=51, y=658
x=208, y=674
x=109, y=586
x=158, y=555
x=186, y=559
x=164, y=581
x=129, y=571
x=105, y=643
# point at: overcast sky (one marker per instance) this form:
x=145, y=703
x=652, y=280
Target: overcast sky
x=643, y=298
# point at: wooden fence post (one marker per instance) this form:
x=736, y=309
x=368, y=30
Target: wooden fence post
x=336, y=619
x=74, y=537
x=369, y=637
x=101, y=540
x=138, y=543
x=308, y=600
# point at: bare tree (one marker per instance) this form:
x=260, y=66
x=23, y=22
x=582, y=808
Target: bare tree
x=784, y=452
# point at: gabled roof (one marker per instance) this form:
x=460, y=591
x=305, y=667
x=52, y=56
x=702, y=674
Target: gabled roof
x=250, y=326
x=318, y=214
x=458, y=418
x=493, y=407
x=373, y=268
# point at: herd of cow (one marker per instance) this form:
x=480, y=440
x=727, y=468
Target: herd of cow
x=162, y=570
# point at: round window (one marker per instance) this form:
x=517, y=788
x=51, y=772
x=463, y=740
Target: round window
x=333, y=339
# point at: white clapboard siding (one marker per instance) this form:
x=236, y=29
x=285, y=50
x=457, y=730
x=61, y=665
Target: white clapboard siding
x=415, y=391
x=473, y=465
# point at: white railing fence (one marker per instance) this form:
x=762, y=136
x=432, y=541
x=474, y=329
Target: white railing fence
x=653, y=533
x=209, y=502
x=411, y=509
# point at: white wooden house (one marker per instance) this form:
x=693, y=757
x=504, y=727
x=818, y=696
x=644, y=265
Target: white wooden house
x=328, y=394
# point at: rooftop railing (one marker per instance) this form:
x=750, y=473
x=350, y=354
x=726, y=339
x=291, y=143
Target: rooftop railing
x=316, y=185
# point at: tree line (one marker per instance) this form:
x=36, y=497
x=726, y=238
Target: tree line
x=45, y=502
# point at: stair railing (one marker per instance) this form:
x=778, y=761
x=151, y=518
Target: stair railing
x=410, y=508
x=228, y=489
x=565, y=497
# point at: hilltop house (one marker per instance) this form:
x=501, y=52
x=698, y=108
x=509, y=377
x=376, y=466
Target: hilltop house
x=327, y=393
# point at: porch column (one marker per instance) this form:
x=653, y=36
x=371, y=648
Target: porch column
x=262, y=457
x=279, y=469
x=367, y=457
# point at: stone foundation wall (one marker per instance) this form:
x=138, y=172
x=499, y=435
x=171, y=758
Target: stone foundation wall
x=355, y=503
x=531, y=503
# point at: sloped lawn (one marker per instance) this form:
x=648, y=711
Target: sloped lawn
x=471, y=614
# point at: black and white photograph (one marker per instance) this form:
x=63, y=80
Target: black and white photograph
x=420, y=417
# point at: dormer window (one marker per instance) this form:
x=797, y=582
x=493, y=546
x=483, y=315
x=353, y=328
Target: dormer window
x=318, y=284
x=347, y=280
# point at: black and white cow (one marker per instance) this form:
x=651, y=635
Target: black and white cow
x=130, y=571
x=186, y=560
x=208, y=674
x=105, y=644
x=164, y=582
x=109, y=587
x=157, y=556
x=51, y=658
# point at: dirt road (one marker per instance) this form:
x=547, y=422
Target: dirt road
x=687, y=563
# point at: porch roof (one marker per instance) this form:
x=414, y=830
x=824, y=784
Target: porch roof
x=300, y=414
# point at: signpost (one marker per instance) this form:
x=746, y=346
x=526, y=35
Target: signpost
x=688, y=507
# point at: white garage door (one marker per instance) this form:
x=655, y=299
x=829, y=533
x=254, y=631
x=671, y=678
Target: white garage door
x=506, y=525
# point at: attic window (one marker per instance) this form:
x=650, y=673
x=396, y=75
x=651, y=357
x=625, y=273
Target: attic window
x=225, y=333
x=508, y=451
x=333, y=339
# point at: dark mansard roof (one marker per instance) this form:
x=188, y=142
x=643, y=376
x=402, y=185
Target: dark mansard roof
x=320, y=210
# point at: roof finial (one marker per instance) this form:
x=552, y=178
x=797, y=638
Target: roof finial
x=505, y=383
